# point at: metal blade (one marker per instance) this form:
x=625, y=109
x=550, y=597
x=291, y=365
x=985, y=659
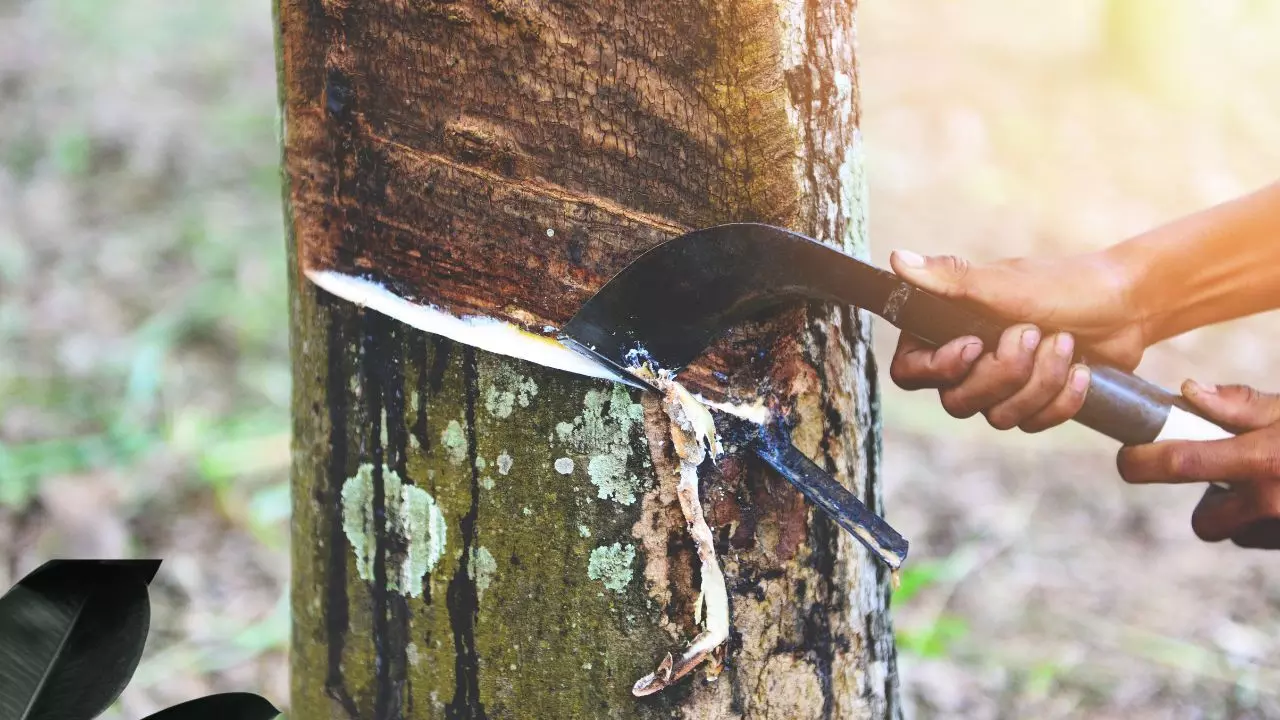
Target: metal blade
x=668, y=305
x=673, y=301
x=772, y=444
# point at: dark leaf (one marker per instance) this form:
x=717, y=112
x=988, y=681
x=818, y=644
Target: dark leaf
x=71, y=635
x=226, y=706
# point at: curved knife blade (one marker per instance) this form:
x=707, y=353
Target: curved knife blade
x=669, y=304
x=673, y=301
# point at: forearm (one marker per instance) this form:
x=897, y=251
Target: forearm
x=1216, y=265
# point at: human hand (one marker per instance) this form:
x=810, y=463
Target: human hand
x=1027, y=381
x=1249, y=513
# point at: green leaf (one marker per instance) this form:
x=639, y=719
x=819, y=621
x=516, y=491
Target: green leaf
x=225, y=706
x=914, y=578
x=935, y=640
x=71, y=635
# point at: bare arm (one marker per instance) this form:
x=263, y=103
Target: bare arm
x=1209, y=267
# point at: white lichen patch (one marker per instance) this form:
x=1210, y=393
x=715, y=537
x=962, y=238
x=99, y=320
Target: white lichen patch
x=482, y=568
x=481, y=332
x=603, y=432
x=692, y=437
x=412, y=516
x=454, y=441
x=504, y=463
x=564, y=465
x=611, y=565
x=507, y=390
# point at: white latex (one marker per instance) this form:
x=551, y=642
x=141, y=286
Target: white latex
x=482, y=332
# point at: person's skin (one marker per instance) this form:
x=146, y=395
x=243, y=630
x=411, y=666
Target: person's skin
x=1249, y=463
x=1209, y=267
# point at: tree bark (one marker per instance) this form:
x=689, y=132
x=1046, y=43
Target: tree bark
x=478, y=536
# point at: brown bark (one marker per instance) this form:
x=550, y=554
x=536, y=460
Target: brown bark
x=503, y=158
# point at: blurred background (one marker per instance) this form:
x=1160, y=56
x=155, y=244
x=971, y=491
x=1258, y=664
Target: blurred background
x=144, y=376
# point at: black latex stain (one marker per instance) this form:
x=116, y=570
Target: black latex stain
x=440, y=363
x=383, y=382
x=420, y=428
x=462, y=599
x=885, y=651
x=337, y=619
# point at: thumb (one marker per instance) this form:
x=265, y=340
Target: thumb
x=999, y=287
x=1236, y=406
x=946, y=275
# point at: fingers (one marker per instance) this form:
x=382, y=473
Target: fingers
x=1047, y=385
x=1064, y=406
x=1025, y=383
x=1248, y=514
x=918, y=365
x=1251, y=456
x=1238, y=406
x=997, y=376
x=1248, y=457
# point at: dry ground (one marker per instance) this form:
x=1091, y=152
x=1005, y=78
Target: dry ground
x=144, y=378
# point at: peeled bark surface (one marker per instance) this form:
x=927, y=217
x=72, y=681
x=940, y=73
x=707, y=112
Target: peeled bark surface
x=476, y=536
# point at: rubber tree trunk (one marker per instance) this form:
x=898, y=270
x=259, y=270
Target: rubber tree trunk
x=479, y=536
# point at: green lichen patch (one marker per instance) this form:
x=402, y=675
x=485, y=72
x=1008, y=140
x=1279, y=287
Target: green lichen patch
x=853, y=196
x=611, y=565
x=504, y=462
x=411, y=514
x=506, y=390
x=454, y=441
x=603, y=432
x=483, y=567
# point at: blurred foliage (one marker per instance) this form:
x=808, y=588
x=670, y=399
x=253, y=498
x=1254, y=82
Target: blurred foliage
x=935, y=637
x=185, y=213
x=934, y=640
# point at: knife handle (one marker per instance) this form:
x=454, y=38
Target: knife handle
x=1119, y=404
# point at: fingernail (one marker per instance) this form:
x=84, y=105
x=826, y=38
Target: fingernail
x=1064, y=344
x=1191, y=387
x=909, y=258
x=1079, y=378
x=1030, y=338
x=971, y=351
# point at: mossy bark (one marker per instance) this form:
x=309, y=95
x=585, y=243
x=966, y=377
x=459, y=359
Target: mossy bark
x=477, y=536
